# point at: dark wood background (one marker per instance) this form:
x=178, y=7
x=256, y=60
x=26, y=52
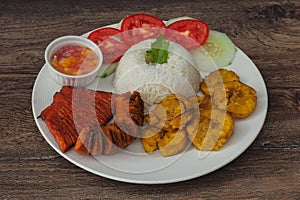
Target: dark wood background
x=267, y=31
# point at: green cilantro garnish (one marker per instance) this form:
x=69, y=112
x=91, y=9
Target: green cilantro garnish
x=158, y=54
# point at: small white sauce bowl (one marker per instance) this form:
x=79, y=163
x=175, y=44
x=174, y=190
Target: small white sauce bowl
x=70, y=80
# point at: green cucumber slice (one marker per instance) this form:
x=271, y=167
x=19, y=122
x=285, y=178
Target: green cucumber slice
x=108, y=69
x=217, y=52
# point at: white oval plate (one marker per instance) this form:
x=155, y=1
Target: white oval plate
x=134, y=165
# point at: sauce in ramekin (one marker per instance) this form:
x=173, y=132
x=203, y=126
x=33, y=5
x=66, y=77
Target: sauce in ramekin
x=74, y=60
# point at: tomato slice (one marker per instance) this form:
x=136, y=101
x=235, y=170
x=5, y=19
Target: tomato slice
x=192, y=33
x=139, y=27
x=110, y=43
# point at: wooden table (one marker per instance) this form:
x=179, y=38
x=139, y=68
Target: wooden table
x=268, y=32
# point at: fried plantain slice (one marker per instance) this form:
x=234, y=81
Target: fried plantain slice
x=170, y=112
x=214, y=129
x=172, y=142
x=215, y=78
x=203, y=102
x=179, y=122
x=150, y=139
x=236, y=97
x=174, y=105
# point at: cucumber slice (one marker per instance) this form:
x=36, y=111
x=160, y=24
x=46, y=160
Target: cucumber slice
x=108, y=69
x=217, y=52
x=203, y=61
x=170, y=21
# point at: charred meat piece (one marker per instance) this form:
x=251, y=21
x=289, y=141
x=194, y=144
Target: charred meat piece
x=74, y=109
x=110, y=142
x=59, y=120
x=129, y=112
x=89, y=141
x=111, y=138
x=108, y=139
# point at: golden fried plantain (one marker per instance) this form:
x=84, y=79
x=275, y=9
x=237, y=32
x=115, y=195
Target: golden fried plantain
x=150, y=139
x=171, y=113
x=174, y=105
x=215, y=78
x=214, y=129
x=203, y=102
x=157, y=117
x=179, y=122
x=172, y=142
x=169, y=143
x=236, y=97
x=193, y=125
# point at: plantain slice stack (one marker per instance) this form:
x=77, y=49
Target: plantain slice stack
x=165, y=125
x=229, y=93
x=206, y=121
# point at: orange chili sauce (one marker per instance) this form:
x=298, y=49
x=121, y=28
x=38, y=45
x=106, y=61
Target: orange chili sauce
x=74, y=60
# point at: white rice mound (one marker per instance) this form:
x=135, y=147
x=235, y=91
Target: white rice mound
x=154, y=82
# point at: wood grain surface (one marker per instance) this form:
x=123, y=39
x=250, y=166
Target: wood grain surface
x=267, y=31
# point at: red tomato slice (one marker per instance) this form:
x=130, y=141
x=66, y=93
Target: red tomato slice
x=139, y=27
x=192, y=33
x=108, y=39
